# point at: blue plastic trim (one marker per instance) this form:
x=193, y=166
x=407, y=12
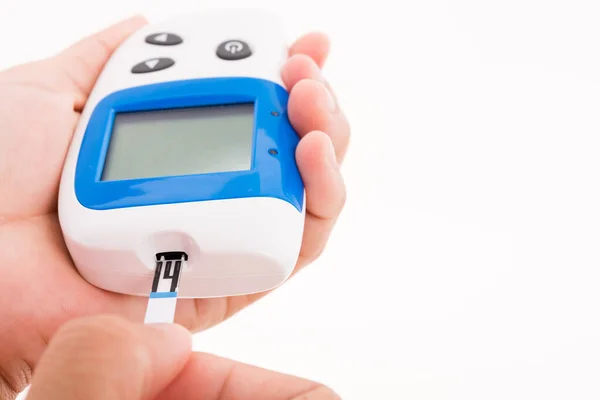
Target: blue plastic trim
x=162, y=295
x=271, y=175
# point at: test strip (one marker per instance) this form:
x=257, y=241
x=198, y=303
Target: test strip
x=162, y=301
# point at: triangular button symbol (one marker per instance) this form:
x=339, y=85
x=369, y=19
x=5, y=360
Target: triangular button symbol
x=152, y=63
x=162, y=37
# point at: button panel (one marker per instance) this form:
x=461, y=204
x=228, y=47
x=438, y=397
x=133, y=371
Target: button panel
x=229, y=50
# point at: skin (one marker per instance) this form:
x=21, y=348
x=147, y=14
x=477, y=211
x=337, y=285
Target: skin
x=107, y=357
x=40, y=104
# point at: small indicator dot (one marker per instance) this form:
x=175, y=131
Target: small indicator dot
x=272, y=152
x=274, y=113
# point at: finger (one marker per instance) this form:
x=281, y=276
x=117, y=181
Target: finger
x=209, y=377
x=325, y=193
x=299, y=67
x=75, y=70
x=325, y=189
x=315, y=45
x=103, y=357
x=312, y=105
x=84, y=60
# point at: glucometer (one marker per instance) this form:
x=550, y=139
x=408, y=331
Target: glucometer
x=181, y=178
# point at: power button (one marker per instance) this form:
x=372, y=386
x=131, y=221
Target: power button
x=233, y=50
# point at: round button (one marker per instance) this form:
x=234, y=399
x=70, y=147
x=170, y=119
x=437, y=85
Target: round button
x=152, y=65
x=164, y=39
x=233, y=50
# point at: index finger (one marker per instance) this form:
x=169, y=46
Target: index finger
x=84, y=60
x=209, y=377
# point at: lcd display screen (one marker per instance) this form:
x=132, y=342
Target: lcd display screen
x=176, y=142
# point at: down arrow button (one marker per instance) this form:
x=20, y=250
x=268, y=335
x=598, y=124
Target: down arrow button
x=152, y=65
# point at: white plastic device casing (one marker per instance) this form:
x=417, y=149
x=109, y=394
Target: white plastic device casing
x=234, y=247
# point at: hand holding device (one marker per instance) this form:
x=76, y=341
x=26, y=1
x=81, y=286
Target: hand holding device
x=40, y=105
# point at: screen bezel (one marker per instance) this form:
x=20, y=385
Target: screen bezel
x=273, y=171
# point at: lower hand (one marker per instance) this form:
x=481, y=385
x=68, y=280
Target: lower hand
x=106, y=357
x=39, y=109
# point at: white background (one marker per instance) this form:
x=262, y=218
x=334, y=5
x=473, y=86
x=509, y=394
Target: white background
x=466, y=264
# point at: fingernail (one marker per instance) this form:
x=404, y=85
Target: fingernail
x=331, y=103
x=317, y=74
x=319, y=77
x=331, y=156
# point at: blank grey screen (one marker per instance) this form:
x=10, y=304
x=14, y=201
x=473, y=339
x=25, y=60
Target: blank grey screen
x=180, y=142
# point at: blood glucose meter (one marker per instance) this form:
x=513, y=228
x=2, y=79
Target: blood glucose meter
x=184, y=151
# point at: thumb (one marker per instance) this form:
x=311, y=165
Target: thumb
x=98, y=358
x=84, y=60
x=74, y=71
